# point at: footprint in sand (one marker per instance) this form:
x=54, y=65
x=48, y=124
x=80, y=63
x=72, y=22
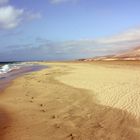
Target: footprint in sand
x=53, y=116
x=43, y=110
x=41, y=105
x=31, y=101
x=71, y=136
x=57, y=125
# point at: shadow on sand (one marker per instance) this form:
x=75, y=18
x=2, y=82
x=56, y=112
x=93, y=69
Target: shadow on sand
x=5, y=121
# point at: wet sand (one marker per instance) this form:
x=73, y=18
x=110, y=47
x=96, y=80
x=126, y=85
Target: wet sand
x=7, y=78
x=73, y=101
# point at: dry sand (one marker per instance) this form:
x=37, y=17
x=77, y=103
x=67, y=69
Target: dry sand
x=117, y=87
x=73, y=101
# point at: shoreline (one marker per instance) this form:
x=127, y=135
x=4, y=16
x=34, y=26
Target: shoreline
x=10, y=76
x=50, y=104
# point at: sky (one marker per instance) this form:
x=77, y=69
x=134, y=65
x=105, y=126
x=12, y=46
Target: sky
x=67, y=29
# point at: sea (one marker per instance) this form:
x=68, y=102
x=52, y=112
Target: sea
x=10, y=70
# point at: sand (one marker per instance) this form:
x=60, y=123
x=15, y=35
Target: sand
x=73, y=101
x=117, y=87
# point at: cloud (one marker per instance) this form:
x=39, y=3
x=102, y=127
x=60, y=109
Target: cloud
x=131, y=36
x=44, y=49
x=124, y=39
x=3, y=2
x=32, y=15
x=10, y=17
x=61, y=1
x=102, y=46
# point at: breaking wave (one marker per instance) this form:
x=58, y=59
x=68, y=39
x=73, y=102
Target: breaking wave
x=10, y=67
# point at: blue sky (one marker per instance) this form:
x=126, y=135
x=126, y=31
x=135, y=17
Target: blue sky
x=67, y=29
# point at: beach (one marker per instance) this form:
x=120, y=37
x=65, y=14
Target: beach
x=9, y=71
x=73, y=101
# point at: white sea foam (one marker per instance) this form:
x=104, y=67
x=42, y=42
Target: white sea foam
x=10, y=67
x=13, y=66
x=5, y=69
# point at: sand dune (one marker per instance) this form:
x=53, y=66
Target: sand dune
x=73, y=101
x=131, y=54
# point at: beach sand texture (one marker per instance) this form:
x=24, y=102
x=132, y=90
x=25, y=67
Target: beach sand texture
x=73, y=101
x=117, y=87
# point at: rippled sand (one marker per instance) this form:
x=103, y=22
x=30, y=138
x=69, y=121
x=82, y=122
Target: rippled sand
x=114, y=86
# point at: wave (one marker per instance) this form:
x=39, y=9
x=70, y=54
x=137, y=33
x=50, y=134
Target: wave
x=7, y=68
x=14, y=66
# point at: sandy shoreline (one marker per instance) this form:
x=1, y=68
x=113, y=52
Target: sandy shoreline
x=7, y=78
x=79, y=101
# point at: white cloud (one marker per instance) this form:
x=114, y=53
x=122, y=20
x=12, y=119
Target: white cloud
x=84, y=48
x=32, y=15
x=132, y=35
x=125, y=39
x=10, y=17
x=3, y=2
x=102, y=46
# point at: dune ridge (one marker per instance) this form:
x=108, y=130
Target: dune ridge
x=132, y=53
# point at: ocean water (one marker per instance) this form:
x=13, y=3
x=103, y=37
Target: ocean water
x=7, y=67
x=11, y=70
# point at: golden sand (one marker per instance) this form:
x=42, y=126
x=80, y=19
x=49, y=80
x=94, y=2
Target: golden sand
x=73, y=101
x=117, y=87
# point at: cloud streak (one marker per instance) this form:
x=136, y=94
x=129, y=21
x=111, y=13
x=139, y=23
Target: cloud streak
x=127, y=36
x=61, y=1
x=43, y=49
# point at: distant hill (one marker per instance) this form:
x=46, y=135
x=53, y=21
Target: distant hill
x=133, y=54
